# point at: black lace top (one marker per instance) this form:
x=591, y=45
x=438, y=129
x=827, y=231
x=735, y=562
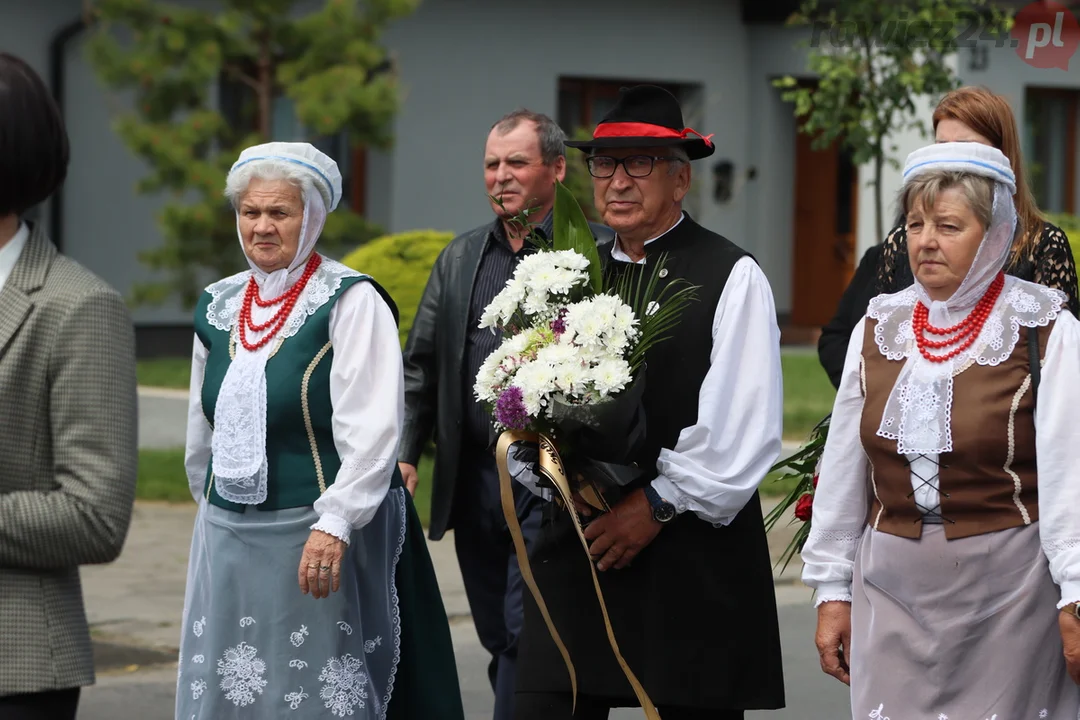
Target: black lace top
x=1050, y=263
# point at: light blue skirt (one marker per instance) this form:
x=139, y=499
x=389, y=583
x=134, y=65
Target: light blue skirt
x=254, y=646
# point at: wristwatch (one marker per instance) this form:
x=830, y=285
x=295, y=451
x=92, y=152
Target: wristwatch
x=1073, y=609
x=662, y=510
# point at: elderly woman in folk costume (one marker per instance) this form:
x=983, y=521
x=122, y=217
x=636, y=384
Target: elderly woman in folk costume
x=945, y=548
x=310, y=592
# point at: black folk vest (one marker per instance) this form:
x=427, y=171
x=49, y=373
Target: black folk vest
x=695, y=612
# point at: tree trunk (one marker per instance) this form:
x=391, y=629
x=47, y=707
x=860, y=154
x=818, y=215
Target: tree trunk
x=266, y=87
x=878, y=162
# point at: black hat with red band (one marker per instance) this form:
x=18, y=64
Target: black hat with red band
x=646, y=116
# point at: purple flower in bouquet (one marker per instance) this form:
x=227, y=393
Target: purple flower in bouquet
x=558, y=325
x=510, y=409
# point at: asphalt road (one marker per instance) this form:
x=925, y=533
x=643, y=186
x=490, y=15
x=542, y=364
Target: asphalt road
x=147, y=693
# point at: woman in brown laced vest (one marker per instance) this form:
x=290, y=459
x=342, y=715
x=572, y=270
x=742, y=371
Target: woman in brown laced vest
x=1041, y=254
x=945, y=547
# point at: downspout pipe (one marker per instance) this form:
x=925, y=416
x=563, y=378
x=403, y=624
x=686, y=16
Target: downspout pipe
x=57, y=51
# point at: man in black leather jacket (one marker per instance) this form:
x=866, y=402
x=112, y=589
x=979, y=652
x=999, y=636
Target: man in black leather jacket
x=524, y=155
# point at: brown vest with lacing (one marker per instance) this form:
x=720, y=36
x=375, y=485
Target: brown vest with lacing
x=988, y=482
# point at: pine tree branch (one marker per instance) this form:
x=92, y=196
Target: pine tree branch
x=237, y=74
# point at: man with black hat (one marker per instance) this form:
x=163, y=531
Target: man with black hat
x=683, y=560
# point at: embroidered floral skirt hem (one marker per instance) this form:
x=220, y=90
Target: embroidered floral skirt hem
x=254, y=646
x=961, y=629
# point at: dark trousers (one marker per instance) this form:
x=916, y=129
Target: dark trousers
x=489, y=567
x=560, y=706
x=53, y=705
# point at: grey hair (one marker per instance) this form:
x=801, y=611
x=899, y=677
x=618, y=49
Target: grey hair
x=549, y=133
x=923, y=191
x=236, y=184
x=679, y=153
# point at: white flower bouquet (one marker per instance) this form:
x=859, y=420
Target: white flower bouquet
x=570, y=366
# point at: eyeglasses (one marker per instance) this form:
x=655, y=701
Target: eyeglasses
x=638, y=166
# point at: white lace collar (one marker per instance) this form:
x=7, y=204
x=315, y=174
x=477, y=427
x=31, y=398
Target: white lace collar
x=919, y=412
x=228, y=295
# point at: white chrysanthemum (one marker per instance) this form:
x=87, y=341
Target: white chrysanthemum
x=536, y=381
x=572, y=378
x=530, y=265
x=561, y=281
x=584, y=324
x=625, y=321
x=551, y=280
x=616, y=343
x=611, y=376
x=538, y=304
x=516, y=344
x=606, y=304
x=489, y=377
x=570, y=259
x=503, y=306
x=557, y=354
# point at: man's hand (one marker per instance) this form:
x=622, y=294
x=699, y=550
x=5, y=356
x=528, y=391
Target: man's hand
x=833, y=639
x=320, y=564
x=408, y=474
x=619, y=535
x=1070, y=638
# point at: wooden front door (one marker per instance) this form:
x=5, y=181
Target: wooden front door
x=826, y=208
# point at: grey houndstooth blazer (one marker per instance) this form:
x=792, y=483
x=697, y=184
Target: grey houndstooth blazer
x=68, y=456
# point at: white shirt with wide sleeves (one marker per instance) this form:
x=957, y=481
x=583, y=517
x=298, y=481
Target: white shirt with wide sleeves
x=367, y=393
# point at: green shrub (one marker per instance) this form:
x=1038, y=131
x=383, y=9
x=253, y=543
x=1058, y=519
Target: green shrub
x=401, y=263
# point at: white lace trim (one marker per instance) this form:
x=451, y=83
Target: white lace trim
x=354, y=464
x=817, y=535
x=832, y=597
x=228, y=295
x=395, y=613
x=334, y=525
x=1055, y=547
x=918, y=414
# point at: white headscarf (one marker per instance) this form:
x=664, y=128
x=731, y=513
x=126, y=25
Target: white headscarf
x=239, y=439
x=918, y=413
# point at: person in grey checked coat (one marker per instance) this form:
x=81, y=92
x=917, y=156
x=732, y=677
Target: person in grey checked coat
x=68, y=449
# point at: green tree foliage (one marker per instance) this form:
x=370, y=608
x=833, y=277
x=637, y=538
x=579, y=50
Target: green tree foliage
x=328, y=63
x=1070, y=225
x=872, y=60
x=401, y=263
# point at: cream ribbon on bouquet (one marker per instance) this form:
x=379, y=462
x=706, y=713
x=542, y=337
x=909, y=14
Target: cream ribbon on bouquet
x=551, y=467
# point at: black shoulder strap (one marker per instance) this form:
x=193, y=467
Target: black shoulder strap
x=1034, y=361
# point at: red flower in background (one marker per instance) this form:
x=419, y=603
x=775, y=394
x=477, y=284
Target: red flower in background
x=804, y=507
x=815, y=481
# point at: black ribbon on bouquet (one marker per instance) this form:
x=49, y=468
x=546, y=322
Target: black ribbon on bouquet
x=603, y=439
x=551, y=468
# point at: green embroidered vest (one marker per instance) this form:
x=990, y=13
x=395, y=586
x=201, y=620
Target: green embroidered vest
x=301, y=458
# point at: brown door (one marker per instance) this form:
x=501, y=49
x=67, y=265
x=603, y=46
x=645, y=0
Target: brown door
x=826, y=189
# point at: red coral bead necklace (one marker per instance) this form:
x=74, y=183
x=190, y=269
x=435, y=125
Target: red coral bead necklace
x=287, y=300
x=964, y=332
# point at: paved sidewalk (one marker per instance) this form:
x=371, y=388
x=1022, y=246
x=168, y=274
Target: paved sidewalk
x=138, y=600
